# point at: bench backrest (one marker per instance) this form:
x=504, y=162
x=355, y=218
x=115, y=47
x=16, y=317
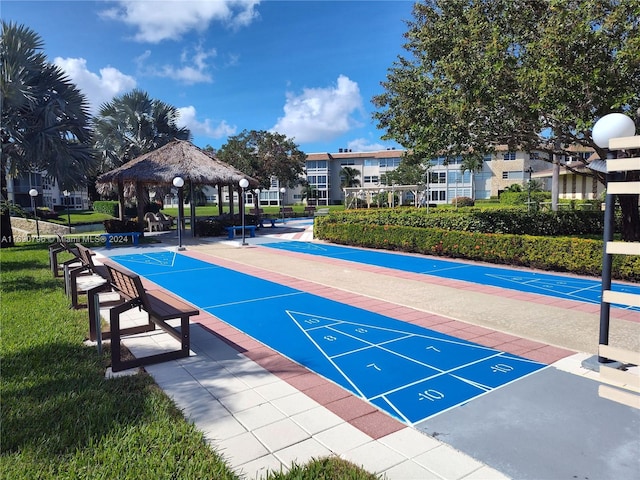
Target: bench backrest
x=127, y=283
x=86, y=256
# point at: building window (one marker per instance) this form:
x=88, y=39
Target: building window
x=509, y=155
x=370, y=163
x=389, y=162
x=514, y=175
x=317, y=165
x=371, y=179
x=487, y=158
x=347, y=162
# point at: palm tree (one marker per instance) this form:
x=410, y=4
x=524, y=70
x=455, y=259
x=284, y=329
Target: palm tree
x=471, y=164
x=349, y=177
x=133, y=124
x=45, y=118
x=129, y=126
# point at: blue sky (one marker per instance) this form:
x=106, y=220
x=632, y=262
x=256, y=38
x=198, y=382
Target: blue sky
x=306, y=69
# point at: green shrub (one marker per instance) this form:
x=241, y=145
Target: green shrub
x=215, y=226
x=462, y=202
x=472, y=219
x=576, y=255
x=110, y=207
x=120, y=226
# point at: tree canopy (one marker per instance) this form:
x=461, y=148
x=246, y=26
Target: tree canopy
x=133, y=124
x=526, y=73
x=45, y=118
x=263, y=155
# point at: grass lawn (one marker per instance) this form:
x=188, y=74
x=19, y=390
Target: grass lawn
x=62, y=419
x=81, y=217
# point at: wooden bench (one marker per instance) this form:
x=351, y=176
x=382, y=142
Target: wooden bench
x=287, y=212
x=232, y=230
x=58, y=248
x=309, y=210
x=120, y=237
x=84, y=278
x=160, y=307
x=268, y=219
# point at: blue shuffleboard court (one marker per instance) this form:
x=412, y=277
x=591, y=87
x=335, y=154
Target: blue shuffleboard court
x=554, y=285
x=406, y=370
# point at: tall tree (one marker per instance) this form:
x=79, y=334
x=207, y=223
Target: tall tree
x=471, y=164
x=129, y=126
x=263, y=155
x=45, y=118
x=133, y=124
x=349, y=177
x=532, y=74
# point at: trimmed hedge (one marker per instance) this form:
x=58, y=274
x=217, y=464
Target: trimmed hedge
x=514, y=221
x=215, y=226
x=110, y=207
x=562, y=254
x=120, y=226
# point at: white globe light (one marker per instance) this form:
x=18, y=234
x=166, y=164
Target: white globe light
x=178, y=182
x=244, y=183
x=611, y=126
x=282, y=190
x=33, y=192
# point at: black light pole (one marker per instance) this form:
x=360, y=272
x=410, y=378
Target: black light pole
x=178, y=182
x=610, y=126
x=244, y=183
x=529, y=171
x=282, y=191
x=67, y=194
x=33, y=193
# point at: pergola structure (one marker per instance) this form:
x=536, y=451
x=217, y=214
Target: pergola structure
x=366, y=194
x=159, y=167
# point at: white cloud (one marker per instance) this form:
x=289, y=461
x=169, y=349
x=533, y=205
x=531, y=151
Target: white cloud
x=364, y=145
x=193, y=68
x=321, y=113
x=188, y=118
x=100, y=88
x=170, y=20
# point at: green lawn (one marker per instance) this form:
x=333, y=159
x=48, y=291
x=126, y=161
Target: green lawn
x=81, y=217
x=62, y=419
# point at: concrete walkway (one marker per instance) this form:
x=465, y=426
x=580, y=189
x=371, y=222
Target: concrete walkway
x=263, y=411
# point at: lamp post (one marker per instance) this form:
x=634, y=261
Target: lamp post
x=244, y=183
x=178, y=182
x=67, y=194
x=529, y=171
x=282, y=192
x=33, y=193
x=610, y=126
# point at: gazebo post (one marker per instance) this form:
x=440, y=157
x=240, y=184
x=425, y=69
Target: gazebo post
x=231, y=207
x=140, y=206
x=192, y=209
x=220, y=193
x=120, y=199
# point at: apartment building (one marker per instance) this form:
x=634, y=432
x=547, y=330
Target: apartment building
x=49, y=193
x=446, y=180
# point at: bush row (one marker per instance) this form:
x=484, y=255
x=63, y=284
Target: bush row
x=513, y=221
x=215, y=226
x=576, y=255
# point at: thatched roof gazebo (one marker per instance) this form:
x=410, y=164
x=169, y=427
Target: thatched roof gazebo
x=179, y=158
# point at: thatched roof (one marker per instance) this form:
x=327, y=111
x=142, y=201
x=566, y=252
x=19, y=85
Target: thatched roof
x=178, y=158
